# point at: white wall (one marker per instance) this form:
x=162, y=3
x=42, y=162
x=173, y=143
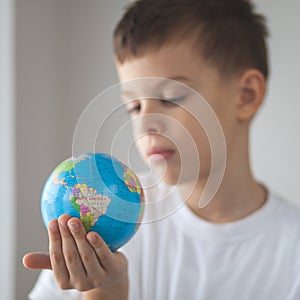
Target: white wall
x=64, y=59
x=276, y=131
x=40, y=125
x=7, y=151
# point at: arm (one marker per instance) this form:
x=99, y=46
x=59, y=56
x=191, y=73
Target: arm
x=82, y=261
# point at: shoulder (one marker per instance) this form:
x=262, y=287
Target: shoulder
x=285, y=235
x=286, y=224
x=288, y=213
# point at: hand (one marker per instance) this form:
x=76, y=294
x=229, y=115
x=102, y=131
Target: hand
x=79, y=261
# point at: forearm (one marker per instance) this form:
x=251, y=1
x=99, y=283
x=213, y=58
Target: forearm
x=118, y=292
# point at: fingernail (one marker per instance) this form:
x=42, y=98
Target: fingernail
x=63, y=222
x=92, y=238
x=53, y=226
x=73, y=225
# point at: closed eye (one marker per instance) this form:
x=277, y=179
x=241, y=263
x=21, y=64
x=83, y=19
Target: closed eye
x=172, y=101
x=134, y=108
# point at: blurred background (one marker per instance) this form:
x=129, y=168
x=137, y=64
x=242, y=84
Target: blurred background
x=56, y=56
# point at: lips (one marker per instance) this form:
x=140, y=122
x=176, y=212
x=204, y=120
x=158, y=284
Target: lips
x=159, y=153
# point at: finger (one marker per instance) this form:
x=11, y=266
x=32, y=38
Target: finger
x=70, y=251
x=86, y=251
x=102, y=251
x=37, y=261
x=56, y=256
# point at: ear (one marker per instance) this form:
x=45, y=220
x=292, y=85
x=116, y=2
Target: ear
x=252, y=88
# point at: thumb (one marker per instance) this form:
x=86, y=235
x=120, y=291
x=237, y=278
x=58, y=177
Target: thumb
x=37, y=260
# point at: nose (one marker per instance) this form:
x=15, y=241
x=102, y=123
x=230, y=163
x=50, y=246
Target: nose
x=152, y=116
x=149, y=106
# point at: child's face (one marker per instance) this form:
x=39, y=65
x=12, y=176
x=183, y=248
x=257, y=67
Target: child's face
x=170, y=135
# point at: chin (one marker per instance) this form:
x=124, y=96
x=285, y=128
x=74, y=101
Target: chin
x=169, y=178
x=165, y=171
x=170, y=181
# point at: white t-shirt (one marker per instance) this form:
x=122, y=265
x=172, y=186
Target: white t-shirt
x=182, y=256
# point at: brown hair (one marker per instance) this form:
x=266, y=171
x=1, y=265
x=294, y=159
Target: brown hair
x=228, y=33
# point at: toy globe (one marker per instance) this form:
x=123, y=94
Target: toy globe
x=101, y=191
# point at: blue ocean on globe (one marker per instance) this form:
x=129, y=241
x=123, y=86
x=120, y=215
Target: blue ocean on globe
x=101, y=191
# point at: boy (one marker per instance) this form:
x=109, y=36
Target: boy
x=244, y=242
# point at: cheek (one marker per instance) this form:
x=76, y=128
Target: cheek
x=134, y=128
x=140, y=142
x=138, y=136
x=196, y=143
x=190, y=130
x=197, y=132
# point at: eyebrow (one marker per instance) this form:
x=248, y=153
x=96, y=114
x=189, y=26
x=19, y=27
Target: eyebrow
x=179, y=78
x=127, y=93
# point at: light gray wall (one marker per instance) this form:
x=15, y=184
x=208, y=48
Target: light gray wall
x=40, y=109
x=276, y=131
x=64, y=60
x=7, y=151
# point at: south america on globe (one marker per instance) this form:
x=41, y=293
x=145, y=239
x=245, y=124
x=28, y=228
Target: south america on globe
x=101, y=191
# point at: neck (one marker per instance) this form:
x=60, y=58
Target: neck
x=238, y=196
